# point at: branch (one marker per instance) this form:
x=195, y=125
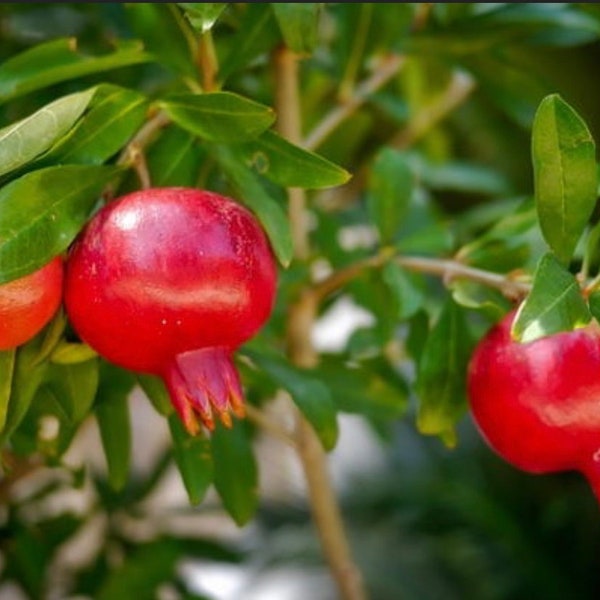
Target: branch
x=259, y=417
x=386, y=71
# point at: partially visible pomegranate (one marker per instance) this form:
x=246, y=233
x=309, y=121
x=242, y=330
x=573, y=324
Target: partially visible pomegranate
x=170, y=281
x=27, y=304
x=538, y=404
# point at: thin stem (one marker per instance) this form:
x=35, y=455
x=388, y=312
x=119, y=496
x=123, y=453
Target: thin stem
x=207, y=62
x=448, y=269
x=386, y=71
x=301, y=317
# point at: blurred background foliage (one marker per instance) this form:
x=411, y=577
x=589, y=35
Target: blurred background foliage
x=426, y=522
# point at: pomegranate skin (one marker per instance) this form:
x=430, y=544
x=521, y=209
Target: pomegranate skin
x=537, y=404
x=27, y=304
x=164, y=273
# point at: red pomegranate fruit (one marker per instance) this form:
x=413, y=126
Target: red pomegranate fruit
x=538, y=403
x=170, y=281
x=27, y=304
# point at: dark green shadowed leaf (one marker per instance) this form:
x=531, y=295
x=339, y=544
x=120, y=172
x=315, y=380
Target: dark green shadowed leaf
x=390, y=188
x=23, y=141
x=311, y=395
x=112, y=414
x=157, y=393
x=565, y=174
x=193, y=458
x=59, y=60
x=442, y=374
x=114, y=115
x=254, y=195
x=219, y=116
x=298, y=22
x=291, y=166
x=554, y=304
x=42, y=212
x=165, y=33
x=235, y=471
x=7, y=367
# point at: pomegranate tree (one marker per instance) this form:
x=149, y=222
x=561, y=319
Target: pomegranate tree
x=170, y=281
x=27, y=304
x=538, y=403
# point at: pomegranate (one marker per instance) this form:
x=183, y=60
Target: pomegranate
x=538, y=403
x=28, y=303
x=170, y=281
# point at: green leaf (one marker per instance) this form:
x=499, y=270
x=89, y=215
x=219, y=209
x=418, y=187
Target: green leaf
x=42, y=212
x=254, y=195
x=257, y=34
x=479, y=297
x=7, y=368
x=75, y=386
x=112, y=415
x=441, y=379
x=390, y=187
x=310, y=395
x=203, y=15
x=404, y=288
x=594, y=304
x=175, y=159
x=554, y=304
x=235, y=471
x=66, y=353
x=23, y=141
x=58, y=60
x=165, y=33
x=157, y=393
x=565, y=174
x=194, y=459
x=299, y=24
x=218, y=116
x=114, y=115
x=291, y=166
x=370, y=388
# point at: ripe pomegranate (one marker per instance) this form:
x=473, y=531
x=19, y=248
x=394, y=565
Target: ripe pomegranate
x=538, y=403
x=170, y=281
x=28, y=303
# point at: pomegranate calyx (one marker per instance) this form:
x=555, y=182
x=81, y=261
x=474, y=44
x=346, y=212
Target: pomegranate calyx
x=204, y=382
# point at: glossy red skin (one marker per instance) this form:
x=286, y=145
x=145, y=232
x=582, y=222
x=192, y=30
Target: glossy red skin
x=163, y=272
x=538, y=404
x=27, y=304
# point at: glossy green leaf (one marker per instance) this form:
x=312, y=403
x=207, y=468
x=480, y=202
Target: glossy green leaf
x=112, y=414
x=59, y=60
x=23, y=141
x=114, y=115
x=554, y=304
x=7, y=367
x=254, y=195
x=42, y=212
x=565, y=174
x=235, y=471
x=175, y=159
x=257, y=34
x=310, y=395
x=480, y=297
x=594, y=304
x=441, y=378
x=219, y=116
x=291, y=166
x=203, y=15
x=298, y=22
x=165, y=33
x=389, y=190
x=193, y=458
